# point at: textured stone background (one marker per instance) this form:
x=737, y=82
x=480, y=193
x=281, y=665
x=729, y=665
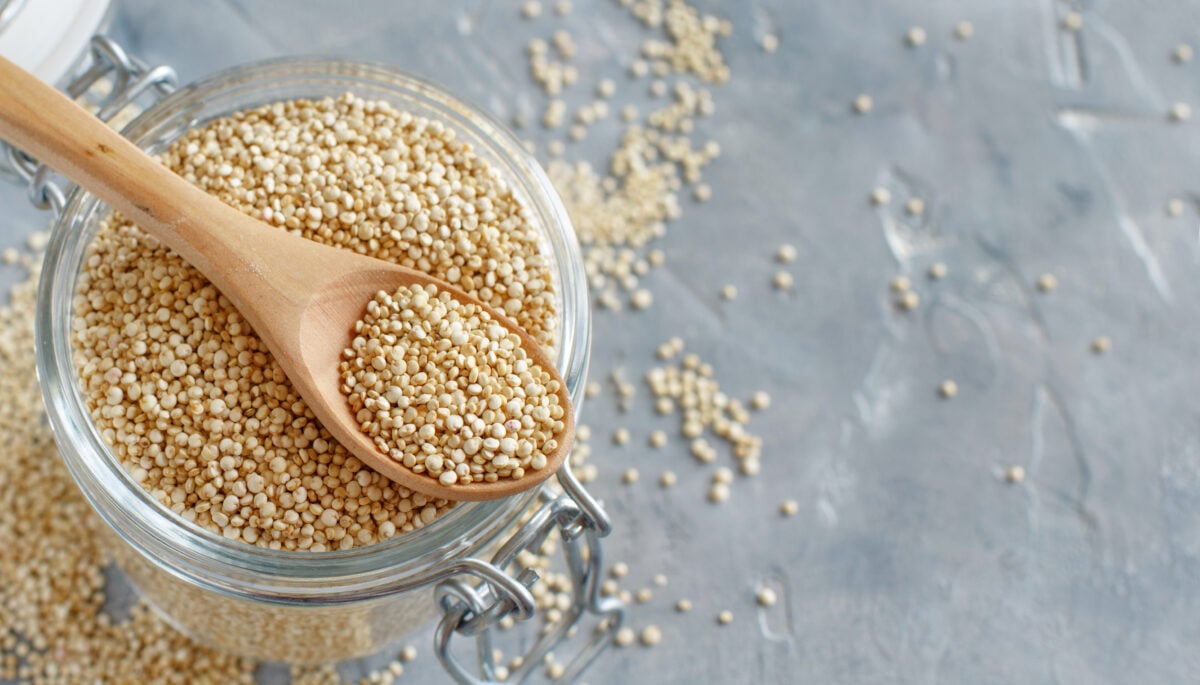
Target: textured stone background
x=911, y=560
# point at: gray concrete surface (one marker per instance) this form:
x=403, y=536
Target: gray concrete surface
x=911, y=560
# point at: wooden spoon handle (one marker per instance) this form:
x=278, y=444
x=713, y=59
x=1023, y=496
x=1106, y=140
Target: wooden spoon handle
x=46, y=124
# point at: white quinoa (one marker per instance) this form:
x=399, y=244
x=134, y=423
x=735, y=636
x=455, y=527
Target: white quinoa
x=948, y=389
x=54, y=587
x=1015, y=474
x=651, y=635
x=766, y=597
x=185, y=393
x=444, y=389
x=908, y=300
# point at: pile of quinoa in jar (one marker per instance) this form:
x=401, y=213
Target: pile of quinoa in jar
x=186, y=395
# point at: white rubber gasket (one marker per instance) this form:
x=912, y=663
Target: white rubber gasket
x=47, y=37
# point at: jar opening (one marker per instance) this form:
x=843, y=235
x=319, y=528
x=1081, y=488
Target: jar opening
x=235, y=566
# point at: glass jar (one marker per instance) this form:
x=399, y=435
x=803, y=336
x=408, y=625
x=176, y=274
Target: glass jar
x=318, y=607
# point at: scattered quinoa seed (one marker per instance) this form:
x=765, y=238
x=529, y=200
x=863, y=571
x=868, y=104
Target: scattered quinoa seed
x=948, y=389
x=782, y=280
x=531, y=9
x=620, y=570
x=651, y=636
x=863, y=104
x=915, y=206
x=915, y=36
x=659, y=580
x=641, y=299
x=409, y=653
x=702, y=192
x=760, y=400
x=1182, y=54
x=625, y=637
x=1047, y=282
x=1180, y=111
x=766, y=597
x=963, y=30
x=667, y=479
x=630, y=476
x=786, y=253
x=563, y=43
x=901, y=284
x=643, y=595
x=1072, y=21
x=1175, y=207
x=908, y=300
x=881, y=196
x=718, y=493
x=1015, y=474
x=769, y=43
x=38, y=240
x=725, y=617
x=1101, y=344
x=683, y=606
x=728, y=292
x=789, y=507
x=937, y=271
x=658, y=439
x=620, y=436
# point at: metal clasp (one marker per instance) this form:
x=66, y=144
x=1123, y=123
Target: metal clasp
x=129, y=83
x=475, y=610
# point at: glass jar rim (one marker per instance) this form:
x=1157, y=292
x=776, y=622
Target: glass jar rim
x=235, y=567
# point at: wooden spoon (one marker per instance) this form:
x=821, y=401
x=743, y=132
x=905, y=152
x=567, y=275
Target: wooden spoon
x=301, y=297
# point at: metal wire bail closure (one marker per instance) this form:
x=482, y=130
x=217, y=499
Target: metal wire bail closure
x=475, y=610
